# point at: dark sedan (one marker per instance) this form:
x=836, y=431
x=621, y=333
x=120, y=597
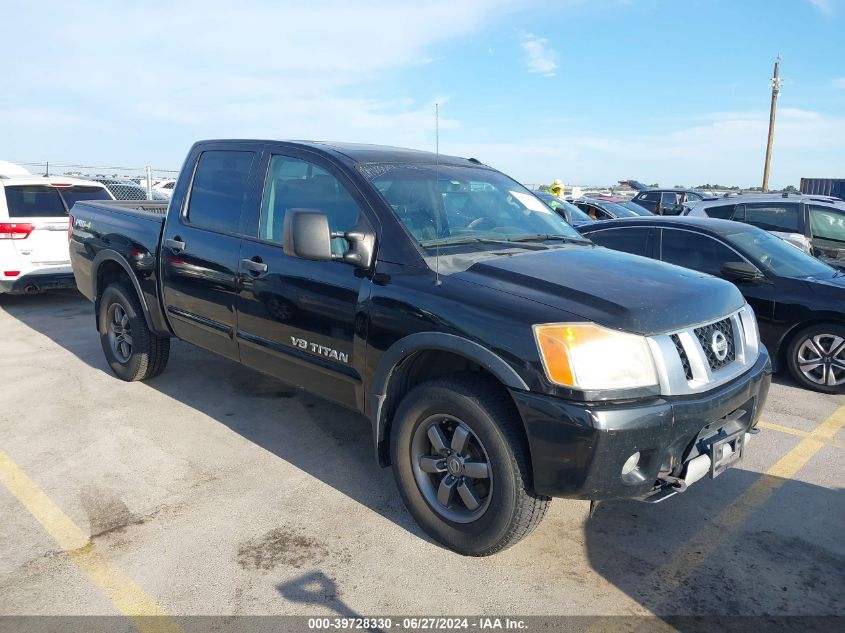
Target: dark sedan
x=599, y=209
x=799, y=301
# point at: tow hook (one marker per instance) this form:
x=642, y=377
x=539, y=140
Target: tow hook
x=677, y=485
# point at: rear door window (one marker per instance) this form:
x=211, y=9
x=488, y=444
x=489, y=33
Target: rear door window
x=772, y=216
x=219, y=190
x=634, y=240
x=696, y=251
x=34, y=201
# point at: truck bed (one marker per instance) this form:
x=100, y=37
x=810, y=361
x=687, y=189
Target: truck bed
x=148, y=209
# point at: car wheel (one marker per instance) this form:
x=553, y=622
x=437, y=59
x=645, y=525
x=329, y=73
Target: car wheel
x=132, y=350
x=462, y=467
x=816, y=358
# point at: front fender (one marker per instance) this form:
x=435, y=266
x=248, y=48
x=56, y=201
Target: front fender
x=427, y=341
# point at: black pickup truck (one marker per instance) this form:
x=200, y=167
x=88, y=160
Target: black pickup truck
x=501, y=358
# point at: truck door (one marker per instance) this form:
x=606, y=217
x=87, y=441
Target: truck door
x=200, y=251
x=301, y=320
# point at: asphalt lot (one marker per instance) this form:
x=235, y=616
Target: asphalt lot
x=214, y=490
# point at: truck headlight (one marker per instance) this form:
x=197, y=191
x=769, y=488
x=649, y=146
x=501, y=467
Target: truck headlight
x=588, y=356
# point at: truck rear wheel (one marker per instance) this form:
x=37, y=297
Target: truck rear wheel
x=461, y=465
x=132, y=350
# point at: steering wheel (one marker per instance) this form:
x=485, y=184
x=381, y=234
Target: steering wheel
x=477, y=222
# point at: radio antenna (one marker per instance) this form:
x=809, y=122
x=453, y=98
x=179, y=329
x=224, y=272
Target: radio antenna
x=438, y=197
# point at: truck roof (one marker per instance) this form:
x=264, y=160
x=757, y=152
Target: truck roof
x=367, y=153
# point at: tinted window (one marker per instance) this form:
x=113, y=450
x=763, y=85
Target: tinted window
x=827, y=223
x=297, y=184
x=219, y=190
x=74, y=194
x=772, y=216
x=696, y=251
x=722, y=211
x=630, y=240
x=618, y=210
x=635, y=208
x=33, y=201
x=654, y=196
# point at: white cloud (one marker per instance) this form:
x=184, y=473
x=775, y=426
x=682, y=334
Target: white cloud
x=727, y=148
x=539, y=57
x=823, y=6
x=279, y=69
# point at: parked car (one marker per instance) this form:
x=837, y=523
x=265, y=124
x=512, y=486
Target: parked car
x=625, y=202
x=165, y=187
x=566, y=210
x=33, y=229
x=799, y=301
x=664, y=201
x=501, y=358
x=129, y=190
x=814, y=224
x=598, y=209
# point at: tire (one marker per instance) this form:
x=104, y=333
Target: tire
x=826, y=343
x=507, y=510
x=131, y=349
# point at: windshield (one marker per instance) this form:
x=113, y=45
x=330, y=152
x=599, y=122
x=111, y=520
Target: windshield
x=450, y=204
x=779, y=257
x=635, y=208
x=617, y=210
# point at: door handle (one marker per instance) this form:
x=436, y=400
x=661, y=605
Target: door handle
x=175, y=244
x=254, y=265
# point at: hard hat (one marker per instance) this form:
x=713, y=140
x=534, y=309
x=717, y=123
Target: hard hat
x=557, y=183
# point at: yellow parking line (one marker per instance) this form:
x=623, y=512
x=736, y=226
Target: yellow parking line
x=127, y=596
x=712, y=535
x=797, y=432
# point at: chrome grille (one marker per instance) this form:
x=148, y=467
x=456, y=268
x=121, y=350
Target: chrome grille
x=687, y=360
x=682, y=353
x=706, y=336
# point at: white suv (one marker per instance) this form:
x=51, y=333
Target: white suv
x=33, y=228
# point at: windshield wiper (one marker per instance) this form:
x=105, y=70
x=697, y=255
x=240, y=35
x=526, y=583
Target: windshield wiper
x=452, y=241
x=542, y=237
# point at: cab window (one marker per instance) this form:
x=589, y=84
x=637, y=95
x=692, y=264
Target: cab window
x=219, y=190
x=696, y=251
x=293, y=183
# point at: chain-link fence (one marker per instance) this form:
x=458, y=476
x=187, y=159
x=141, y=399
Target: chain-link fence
x=124, y=183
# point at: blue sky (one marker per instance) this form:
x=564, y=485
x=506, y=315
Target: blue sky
x=590, y=91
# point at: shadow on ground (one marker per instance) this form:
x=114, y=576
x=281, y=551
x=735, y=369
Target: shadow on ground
x=334, y=445
x=778, y=555
x=785, y=557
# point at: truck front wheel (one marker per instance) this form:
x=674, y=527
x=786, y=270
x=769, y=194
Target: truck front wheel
x=461, y=465
x=132, y=350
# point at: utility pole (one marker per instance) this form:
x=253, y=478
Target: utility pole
x=776, y=83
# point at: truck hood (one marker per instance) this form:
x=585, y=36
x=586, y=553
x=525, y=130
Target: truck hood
x=620, y=291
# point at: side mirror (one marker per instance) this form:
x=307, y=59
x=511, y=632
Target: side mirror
x=741, y=271
x=307, y=235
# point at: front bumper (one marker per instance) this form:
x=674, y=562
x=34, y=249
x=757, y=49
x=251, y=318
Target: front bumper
x=32, y=283
x=578, y=449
